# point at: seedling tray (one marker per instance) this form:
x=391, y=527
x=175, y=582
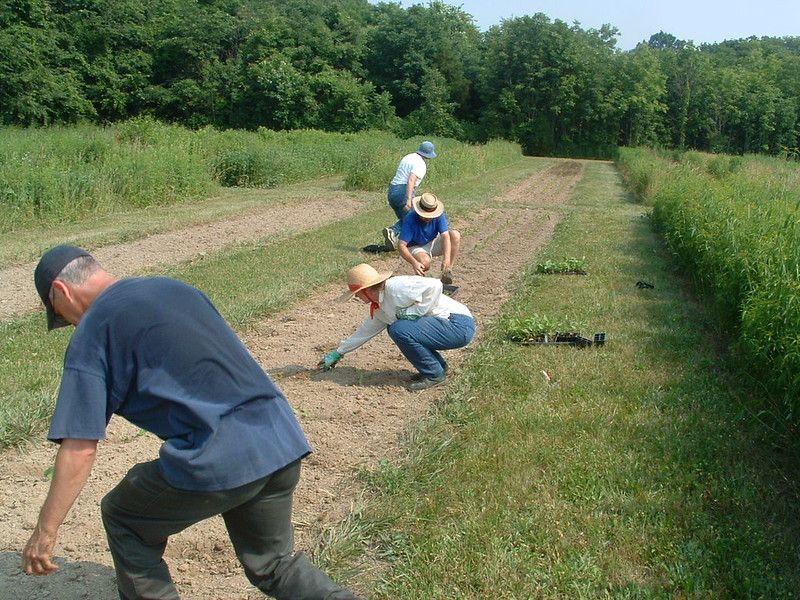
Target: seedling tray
x=566, y=339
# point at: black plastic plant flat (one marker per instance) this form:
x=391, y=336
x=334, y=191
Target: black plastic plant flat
x=376, y=248
x=566, y=339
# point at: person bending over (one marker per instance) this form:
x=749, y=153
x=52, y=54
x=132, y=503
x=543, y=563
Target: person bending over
x=406, y=180
x=155, y=351
x=415, y=313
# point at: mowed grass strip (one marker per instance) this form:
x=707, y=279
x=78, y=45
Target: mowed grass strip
x=637, y=471
x=246, y=282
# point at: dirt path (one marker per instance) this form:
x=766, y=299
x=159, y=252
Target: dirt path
x=353, y=415
x=17, y=295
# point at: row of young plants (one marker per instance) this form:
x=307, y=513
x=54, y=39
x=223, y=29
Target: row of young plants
x=63, y=174
x=734, y=222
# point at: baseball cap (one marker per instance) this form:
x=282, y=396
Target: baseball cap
x=50, y=265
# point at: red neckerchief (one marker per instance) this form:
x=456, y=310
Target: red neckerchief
x=373, y=305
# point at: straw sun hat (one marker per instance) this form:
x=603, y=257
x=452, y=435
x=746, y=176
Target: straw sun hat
x=361, y=277
x=427, y=205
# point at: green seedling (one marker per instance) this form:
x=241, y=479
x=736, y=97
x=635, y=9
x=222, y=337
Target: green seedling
x=568, y=266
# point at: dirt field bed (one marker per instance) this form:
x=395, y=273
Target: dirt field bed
x=353, y=415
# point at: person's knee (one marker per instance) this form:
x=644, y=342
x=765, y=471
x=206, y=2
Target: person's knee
x=107, y=508
x=424, y=258
x=400, y=331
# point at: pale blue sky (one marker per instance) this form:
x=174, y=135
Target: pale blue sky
x=702, y=21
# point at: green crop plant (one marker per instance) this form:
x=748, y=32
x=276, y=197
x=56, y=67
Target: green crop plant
x=567, y=265
x=520, y=329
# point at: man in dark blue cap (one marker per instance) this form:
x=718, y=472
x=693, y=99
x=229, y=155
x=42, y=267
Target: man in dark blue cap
x=402, y=188
x=155, y=351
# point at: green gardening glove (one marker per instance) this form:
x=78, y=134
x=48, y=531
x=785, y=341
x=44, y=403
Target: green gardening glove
x=329, y=360
x=402, y=314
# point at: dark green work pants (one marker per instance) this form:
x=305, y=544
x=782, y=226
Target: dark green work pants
x=142, y=512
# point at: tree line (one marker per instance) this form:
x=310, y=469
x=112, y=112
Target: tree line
x=348, y=65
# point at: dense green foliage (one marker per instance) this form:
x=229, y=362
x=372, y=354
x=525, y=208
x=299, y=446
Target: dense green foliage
x=348, y=65
x=63, y=174
x=734, y=223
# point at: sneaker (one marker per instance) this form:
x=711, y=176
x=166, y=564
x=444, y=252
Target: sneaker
x=390, y=238
x=425, y=383
x=446, y=278
x=449, y=290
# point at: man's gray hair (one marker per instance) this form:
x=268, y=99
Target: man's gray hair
x=79, y=270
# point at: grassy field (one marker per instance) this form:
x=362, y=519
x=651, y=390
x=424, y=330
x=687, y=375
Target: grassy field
x=639, y=469
x=71, y=175
x=30, y=364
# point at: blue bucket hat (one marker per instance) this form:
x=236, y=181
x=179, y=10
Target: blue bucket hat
x=427, y=150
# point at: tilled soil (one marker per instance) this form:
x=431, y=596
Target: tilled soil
x=353, y=415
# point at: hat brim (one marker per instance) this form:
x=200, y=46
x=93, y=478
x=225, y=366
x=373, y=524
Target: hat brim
x=54, y=321
x=382, y=276
x=427, y=154
x=428, y=214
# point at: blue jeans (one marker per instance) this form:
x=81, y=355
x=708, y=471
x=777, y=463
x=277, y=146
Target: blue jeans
x=397, y=200
x=420, y=340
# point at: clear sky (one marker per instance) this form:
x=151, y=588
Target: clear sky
x=702, y=21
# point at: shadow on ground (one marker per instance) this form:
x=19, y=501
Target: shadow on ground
x=73, y=581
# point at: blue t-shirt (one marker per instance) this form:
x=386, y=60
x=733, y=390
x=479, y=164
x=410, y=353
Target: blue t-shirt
x=416, y=232
x=156, y=352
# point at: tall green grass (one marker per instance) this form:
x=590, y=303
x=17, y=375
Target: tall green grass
x=734, y=223
x=63, y=174
x=454, y=160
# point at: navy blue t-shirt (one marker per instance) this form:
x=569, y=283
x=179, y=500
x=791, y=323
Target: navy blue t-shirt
x=156, y=352
x=416, y=232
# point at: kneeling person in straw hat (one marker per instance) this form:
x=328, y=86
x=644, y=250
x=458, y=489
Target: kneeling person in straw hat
x=416, y=315
x=425, y=234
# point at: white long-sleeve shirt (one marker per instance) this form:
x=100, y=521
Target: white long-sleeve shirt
x=404, y=294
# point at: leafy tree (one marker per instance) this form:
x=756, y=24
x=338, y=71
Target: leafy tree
x=549, y=86
x=37, y=84
x=642, y=86
x=405, y=46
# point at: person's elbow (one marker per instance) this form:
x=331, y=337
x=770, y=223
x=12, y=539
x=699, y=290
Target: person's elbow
x=78, y=447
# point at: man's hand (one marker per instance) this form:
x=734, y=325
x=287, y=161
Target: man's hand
x=419, y=268
x=73, y=464
x=36, y=556
x=329, y=360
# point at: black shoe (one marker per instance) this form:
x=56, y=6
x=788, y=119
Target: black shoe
x=390, y=238
x=425, y=383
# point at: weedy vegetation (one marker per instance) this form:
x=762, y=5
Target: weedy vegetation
x=733, y=224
